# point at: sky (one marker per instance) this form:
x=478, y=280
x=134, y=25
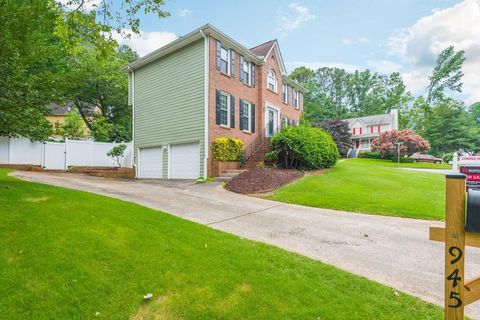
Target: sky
x=382, y=35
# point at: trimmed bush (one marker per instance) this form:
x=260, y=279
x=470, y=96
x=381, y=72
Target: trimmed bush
x=369, y=155
x=227, y=149
x=303, y=148
x=403, y=160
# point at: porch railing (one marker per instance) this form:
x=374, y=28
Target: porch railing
x=257, y=143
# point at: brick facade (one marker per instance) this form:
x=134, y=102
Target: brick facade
x=258, y=95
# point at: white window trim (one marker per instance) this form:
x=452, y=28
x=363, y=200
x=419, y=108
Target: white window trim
x=285, y=90
x=228, y=59
x=249, y=112
x=296, y=99
x=229, y=99
x=248, y=80
x=275, y=81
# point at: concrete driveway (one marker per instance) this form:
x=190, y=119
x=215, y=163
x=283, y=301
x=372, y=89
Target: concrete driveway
x=393, y=251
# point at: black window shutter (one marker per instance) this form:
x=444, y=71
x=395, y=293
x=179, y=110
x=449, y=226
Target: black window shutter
x=253, y=74
x=242, y=77
x=232, y=63
x=217, y=108
x=219, y=49
x=240, y=116
x=253, y=118
x=232, y=112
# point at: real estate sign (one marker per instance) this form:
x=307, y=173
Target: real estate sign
x=473, y=177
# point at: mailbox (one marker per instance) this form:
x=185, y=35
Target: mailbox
x=473, y=211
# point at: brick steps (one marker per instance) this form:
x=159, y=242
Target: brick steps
x=229, y=174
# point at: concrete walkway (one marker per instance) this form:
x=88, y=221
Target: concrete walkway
x=393, y=251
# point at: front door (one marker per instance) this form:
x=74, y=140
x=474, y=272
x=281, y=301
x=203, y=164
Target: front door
x=272, y=121
x=357, y=144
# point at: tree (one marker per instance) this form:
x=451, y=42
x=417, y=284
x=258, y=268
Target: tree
x=475, y=111
x=101, y=130
x=73, y=126
x=340, y=132
x=412, y=143
x=447, y=74
x=117, y=153
x=37, y=44
x=450, y=128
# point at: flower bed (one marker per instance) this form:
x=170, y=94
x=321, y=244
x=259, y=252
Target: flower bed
x=262, y=180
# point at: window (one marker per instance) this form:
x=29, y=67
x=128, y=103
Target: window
x=284, y=93
x=296, y=99
x=224, y=60
x=272, y=81
x=247, y=72
x=379, y=128
x=245, y=115
x=284, y=122
x=296, y=123
x=361, y=130
x=224, y=109
x=353, y=131
x=371, y=129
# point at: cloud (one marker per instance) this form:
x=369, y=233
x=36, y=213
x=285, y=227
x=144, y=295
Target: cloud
x=184, y=12
x=293, y=17
x=145, y=42
x=419, y=45
x=352, y=41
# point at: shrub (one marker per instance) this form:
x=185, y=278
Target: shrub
x=385, y=143
x=117, y=153
x=304, y=148
x=403, y=160
x=227, y=149
x=340, y=132
x=370, y=155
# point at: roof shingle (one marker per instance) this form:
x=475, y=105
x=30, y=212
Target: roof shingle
x=263, y=49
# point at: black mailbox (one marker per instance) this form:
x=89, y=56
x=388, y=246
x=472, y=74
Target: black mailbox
x=473, y=211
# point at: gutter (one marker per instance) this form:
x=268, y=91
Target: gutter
x=133, y=119
x=206, y=97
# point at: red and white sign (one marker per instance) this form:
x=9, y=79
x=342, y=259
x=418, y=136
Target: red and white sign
x=473, y=177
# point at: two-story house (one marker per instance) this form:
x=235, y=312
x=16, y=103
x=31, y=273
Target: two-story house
x=365, y=129
x=202, y=86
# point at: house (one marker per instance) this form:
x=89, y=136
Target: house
x=200, y=87
x=365, y=129
x=58, y=113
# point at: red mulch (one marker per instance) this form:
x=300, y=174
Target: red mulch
x=262, y=180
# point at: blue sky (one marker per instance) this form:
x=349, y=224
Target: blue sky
x=382, y=35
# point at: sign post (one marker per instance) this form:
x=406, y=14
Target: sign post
x=454, y=246
x=398, y=143
x=458, y=291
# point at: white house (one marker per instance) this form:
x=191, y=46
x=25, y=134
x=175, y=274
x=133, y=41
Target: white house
x=365, y=129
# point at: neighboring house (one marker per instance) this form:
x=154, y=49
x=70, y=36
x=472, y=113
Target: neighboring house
x=58, y=113
x=365, y=129
x=200, y=87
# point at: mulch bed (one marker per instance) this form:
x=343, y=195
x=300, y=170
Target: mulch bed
x=262, y=180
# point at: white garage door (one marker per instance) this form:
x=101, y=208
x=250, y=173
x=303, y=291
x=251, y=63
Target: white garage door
x=185, y=161
x=151, y=163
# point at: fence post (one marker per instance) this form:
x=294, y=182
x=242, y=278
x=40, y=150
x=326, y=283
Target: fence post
x=454, y=246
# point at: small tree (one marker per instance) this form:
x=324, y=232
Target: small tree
x=385, y=143
x=117, y=153
x=340, y=133
x=73, y=127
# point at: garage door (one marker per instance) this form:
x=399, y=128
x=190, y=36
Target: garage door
x=151, y=164
x=185, y=161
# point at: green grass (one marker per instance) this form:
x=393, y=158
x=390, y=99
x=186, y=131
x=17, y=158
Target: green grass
x=73, y=255
x=370, y=186
x=389, y=163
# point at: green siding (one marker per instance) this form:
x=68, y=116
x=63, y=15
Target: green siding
x=169, y=101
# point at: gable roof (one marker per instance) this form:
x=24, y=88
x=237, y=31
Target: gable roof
x=263, y=49
x=256, y=54
x=386, y=118
x=60, y=109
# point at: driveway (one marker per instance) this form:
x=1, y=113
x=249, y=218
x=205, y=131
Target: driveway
x=393, y=251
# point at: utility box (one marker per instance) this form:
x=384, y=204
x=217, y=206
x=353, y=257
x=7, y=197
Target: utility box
x=473, y=211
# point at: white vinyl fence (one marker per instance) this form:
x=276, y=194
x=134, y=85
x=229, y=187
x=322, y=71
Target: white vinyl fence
x=61, y=155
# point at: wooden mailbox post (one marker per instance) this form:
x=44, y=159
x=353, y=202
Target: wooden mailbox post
x=458, y=292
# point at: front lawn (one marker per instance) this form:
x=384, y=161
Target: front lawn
x=73, y=255
x=389, y=163
x=371, y=186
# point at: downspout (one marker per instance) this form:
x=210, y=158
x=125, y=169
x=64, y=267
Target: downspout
x=133, y=120
x=206, y=97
